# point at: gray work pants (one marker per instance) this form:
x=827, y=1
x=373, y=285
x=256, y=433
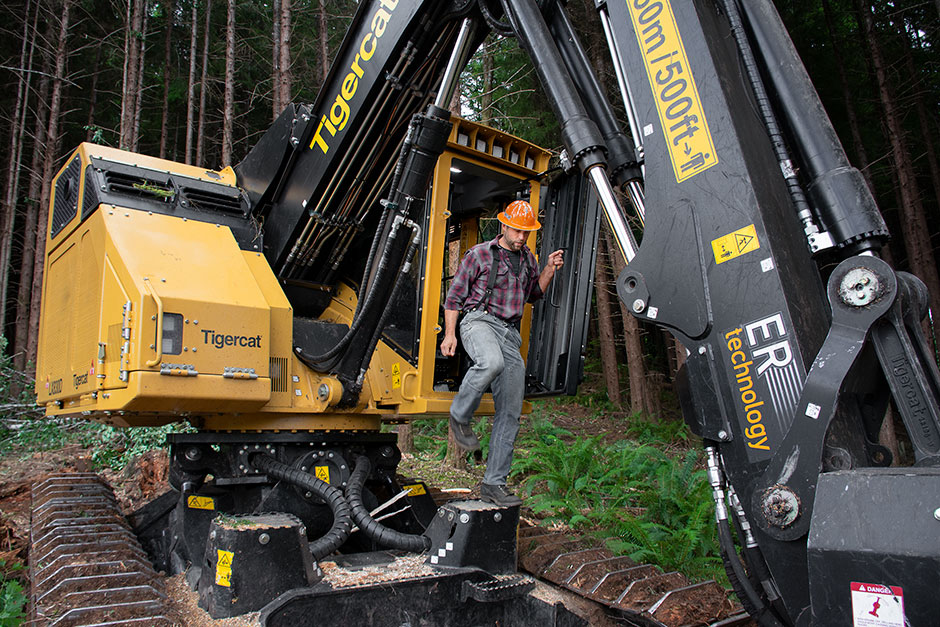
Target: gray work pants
x=494, y=347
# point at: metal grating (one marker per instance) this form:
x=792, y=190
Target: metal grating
x=207, y=200
x=280, y=374
x=139, y=186
x=90, y=197
x=65, y=205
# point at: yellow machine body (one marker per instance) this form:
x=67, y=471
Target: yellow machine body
x=150, y=318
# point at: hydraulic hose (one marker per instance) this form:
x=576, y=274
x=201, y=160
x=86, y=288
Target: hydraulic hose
x=373, y=529
x=383, y=319
x=342, y=519
x=370, y=300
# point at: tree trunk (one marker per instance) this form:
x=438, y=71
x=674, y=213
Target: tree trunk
x=229, y=112
x=406, y=438
x=91, y=129
x=605, y=325
x=52, y=145
x=276, y=105
x=11, y=190
x=486, y=99
x=131, y=73
x=849, y=99
x=139, y=92
x=636, y=368
x=167, y=56
x=923, y=119
x=913, y=221
x=191, y=98
x=325, y=43
x=203, y=88
x=284, y=72
x=28, y=259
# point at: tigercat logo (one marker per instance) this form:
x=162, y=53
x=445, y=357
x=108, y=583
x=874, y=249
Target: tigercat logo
x=339, y=110
x=221, y=340
x=688, y=139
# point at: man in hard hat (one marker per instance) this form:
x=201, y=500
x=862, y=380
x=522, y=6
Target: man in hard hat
x=493, y=307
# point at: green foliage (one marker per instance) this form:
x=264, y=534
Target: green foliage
x=656, y=508
x=115, y=448
x=12, y=594
x=644, y=428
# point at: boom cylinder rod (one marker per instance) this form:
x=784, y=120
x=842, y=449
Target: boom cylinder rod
x=621, y=157
x=622, y=83
x=618, y=225
x=458, y=59
x=838, y=190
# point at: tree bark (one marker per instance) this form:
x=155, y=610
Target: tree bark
x=325, y=43
x=636, y=367
x=284, y=72
x=11, y=190
x=913, y=220
x=139, y=82
x=91, y=129
x=167, y=56
x=858, y=144
x=203, y=88
x=52, y=145
x=191, y=99
x=276, y=105
x=605, y=325
x=229, y=112
x=486, y=99
x=131, y=72
x=32, y=204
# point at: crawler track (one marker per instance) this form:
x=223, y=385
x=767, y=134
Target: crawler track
x=640, y=594
x=86, y=567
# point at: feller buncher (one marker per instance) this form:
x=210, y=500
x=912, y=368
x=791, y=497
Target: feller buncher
x=290, y=306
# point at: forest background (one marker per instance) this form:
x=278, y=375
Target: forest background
x=199, y=81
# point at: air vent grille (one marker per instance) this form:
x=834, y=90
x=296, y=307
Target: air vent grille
x=280, y=374
x=139, y=186
x=66, y=196
x=206, y=200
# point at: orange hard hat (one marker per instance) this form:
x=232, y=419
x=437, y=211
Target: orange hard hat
x=520, y=216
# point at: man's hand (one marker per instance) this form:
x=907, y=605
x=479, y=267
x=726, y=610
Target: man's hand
x=555, y=261
x=449, y=345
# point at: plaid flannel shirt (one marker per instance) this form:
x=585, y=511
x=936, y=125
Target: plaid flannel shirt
x=510, y=293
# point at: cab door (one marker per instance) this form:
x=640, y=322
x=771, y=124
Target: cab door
x=555, y=363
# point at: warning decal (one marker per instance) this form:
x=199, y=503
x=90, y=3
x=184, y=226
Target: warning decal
x=688, y=139
x=200, y=502
x=415, y=489
x=735, y=244
x=223, y=569
x=877, y=605
x=396, y=375
x=322, y=473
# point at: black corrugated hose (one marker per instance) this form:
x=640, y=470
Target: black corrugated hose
x=372, y=528
x=342, y=519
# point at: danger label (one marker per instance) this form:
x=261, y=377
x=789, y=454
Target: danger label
x=396, y=375
x=200, y=502
x=415, y=489
x=877, y=605
x=223, y=568
x=735, y=244
x=688, y=139
x=322, y=473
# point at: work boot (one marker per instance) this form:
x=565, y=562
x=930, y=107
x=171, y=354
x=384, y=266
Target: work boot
x=499, y=495
x=464, y=435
